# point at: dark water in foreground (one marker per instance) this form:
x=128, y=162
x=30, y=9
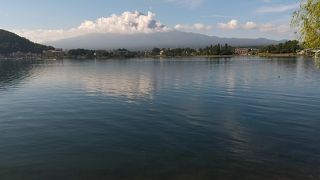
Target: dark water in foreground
x=241, y=118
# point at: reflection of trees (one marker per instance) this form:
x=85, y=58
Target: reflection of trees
x=317, y=63
x=12, y=72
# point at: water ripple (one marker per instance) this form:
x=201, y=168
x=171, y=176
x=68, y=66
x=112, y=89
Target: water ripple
x=193, y=118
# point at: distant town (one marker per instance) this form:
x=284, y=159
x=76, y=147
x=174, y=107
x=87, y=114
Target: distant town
x=289, y=48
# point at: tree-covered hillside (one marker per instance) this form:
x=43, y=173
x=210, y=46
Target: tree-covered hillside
x=10, y=42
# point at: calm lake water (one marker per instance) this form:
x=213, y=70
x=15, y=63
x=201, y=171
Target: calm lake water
x=193, y=118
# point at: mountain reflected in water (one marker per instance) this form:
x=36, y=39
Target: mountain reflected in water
x=118, y=85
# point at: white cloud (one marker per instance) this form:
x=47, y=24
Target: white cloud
x=187, y=3
x=46, y=35
x=126, y=23
x=266, y=27
x=278, y=8
x=193, y=27
x=136, y=22
x=233, y=24
x=281, y=29
x=249, y=25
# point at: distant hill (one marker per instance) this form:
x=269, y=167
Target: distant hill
x=143, y=41
x=10, y=42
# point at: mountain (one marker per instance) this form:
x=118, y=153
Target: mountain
x=144, y=41
x=10, y=42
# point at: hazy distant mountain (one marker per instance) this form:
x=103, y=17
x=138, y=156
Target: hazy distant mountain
x=10, y=42
x=145, y=41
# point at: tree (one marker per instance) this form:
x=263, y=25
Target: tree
x=287, y=47
x=307, y=20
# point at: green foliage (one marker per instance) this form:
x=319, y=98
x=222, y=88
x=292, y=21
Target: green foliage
x=307, y=20
x=100, y=54
x=79, y=53
x=216, y=50
x=155, y=51
x=10, y=42
x=287, y=47
x=103, y=54
x=211, y=50
x=179, y=52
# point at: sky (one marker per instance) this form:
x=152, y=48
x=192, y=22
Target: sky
x=43, y=20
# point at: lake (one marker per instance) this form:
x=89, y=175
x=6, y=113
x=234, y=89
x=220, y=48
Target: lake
x=185, y=118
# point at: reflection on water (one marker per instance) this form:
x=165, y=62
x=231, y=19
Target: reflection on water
x=132, y=87
x=317, y=63
x=11, y=72
x=220, y=118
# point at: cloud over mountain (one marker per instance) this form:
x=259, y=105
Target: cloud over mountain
x=126, y=23
x=249, y=25
x=232, y=24
x=136, y=22
x=193, y=27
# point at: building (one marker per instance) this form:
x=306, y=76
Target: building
x=121, y=52
x=53, y=54
x=242, y=51
x=22, y=55
x=162, y=52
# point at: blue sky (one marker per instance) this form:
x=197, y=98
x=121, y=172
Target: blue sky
x=227, y=18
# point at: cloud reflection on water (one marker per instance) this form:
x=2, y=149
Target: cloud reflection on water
x=120, y=85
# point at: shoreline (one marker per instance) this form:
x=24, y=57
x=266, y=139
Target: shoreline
x=163, y=57
x=280, y=55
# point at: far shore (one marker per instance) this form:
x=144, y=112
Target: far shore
x=230, y=56
x=195, y=56
x=280, y=55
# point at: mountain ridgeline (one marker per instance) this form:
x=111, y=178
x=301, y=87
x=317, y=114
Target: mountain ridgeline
x=147, y=41
x=10, y=43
